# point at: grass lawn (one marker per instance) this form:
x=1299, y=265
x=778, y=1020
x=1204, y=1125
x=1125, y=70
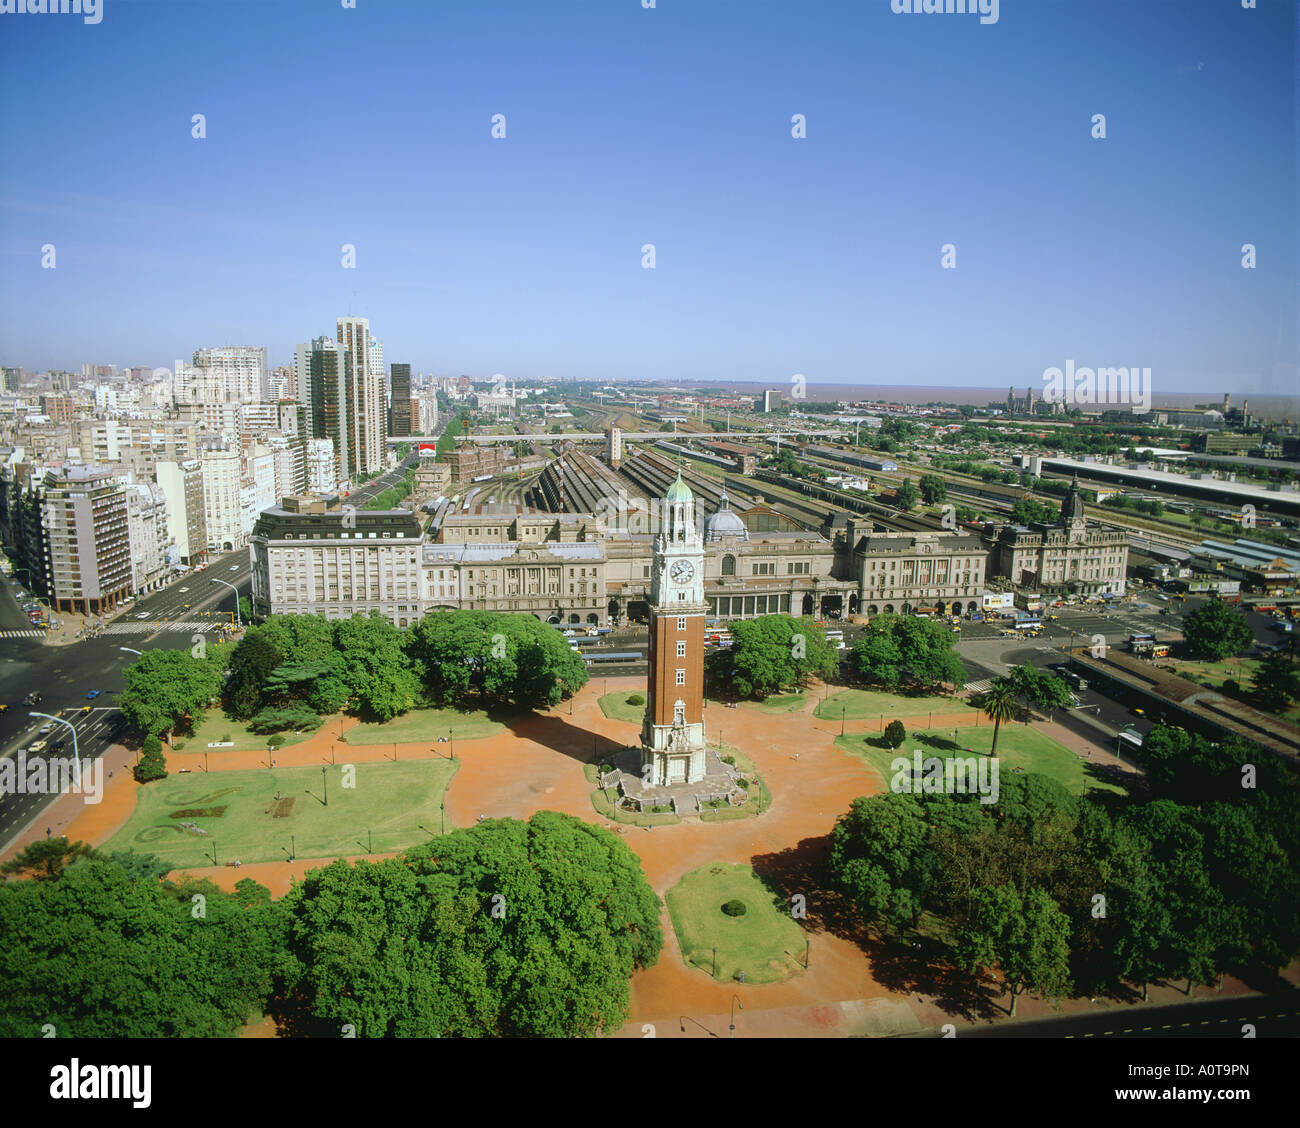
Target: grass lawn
x=1214, y=674
x=766, y=943
x=424, y=725
x=215, y=726
x=869, y=703
x=616, y=708
x=1019, y=746
x=237, y=809
x=778, y=703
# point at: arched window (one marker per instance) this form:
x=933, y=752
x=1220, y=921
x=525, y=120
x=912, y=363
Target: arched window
x=679, y=712
x=728, y=565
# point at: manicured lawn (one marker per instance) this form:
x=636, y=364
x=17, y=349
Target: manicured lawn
x=217, y=727
x=766, y=943
x=778, y=703
x=424, y=725
x=388, y=800
x=870, y=703
x=1019, y=746
x=615, y=706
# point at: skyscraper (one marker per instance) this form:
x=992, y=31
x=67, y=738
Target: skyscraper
x=399, y=419
x=365, y=419
x=329, y=380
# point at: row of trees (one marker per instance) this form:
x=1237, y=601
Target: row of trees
x=774, y=653
x=503, y=929
x=289, y=671
x=1065, y=893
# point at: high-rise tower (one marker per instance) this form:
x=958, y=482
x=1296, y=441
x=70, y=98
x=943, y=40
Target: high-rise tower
x=672, y=737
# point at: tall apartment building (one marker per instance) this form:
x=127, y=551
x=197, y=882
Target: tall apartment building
x=290, y=456
x=258, y=418
x=256, y=486
x=146, y=510
x=232, y=374
x=58, y=408
x=88, y=546
x=366, y=420
x=187, y=527
x=399, y=419
x=281, y=383
x=329, y=402
x=222, y=505
x=322, y=478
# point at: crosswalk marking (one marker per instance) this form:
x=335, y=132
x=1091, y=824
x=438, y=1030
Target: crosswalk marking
x=150, y=628
x=22, y=634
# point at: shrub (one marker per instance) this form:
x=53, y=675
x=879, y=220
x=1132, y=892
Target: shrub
x=895, y=733
x=151, y=744
x=636, y=699
x=734, y=908
x=1231, y=687
x=152, y=764
x=729, y=760
x=179, y=746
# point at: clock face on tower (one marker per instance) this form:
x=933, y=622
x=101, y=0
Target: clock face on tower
x=682, y=571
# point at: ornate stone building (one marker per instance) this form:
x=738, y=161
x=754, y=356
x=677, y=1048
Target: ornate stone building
x=1069, y=558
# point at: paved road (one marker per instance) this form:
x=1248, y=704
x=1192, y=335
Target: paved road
x=1272, y=1016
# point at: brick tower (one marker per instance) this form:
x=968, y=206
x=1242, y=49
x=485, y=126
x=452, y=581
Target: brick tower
x=672, y=738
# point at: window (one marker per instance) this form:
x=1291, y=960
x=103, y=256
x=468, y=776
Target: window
x=681, y=622
x=681, y=677
x=681, y=650
x=728, y=566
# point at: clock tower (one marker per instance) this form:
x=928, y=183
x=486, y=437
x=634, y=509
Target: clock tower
x=672, y=737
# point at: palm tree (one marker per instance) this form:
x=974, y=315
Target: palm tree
x=999, y=705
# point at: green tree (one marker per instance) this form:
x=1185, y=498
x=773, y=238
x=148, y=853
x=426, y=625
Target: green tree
x=380, y=674
x=1039, y=687
x=895, y=733
x=1215, y=630
x=1277, y=683
x=933, y=489
x=1027, y=937
x=904, y=650
x=505, y=929
x=251, y=663
x=908, y=494
x=880, y=859
x=108, y=955
x=45, y=858
x=770, y=654
x=152, y=764
x=999, y=704
x=168, y=689
x=297, y=717
x=1029, y=511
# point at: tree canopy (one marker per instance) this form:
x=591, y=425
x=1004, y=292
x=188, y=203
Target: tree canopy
x=904, y=650
x=1216, y=630
x=770, y=654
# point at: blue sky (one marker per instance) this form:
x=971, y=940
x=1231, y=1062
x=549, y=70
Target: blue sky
x=669, y=126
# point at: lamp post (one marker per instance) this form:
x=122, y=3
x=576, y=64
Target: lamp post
x=238, y=621
x=442, y=806
x=842, y=708
x=325, y=783
x=451, y=739
x=76, y=756
x=735, y=1002
x=131, y=650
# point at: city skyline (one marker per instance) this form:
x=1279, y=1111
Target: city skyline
x=523, y=255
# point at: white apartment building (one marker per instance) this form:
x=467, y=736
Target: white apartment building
x=321, y=478
x=182, y=487
x=232, y=374
x=290, y=465
x=222, y=504
x=256, y=487
x=147, y=530
x=367, y=416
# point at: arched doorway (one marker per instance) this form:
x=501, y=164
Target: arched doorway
x=874, y=609
x=612, y=610
x=972, y=607
x=889, y=608
x=593, y=620
x=854, y=603
x=728, y=565
x=807, y=604
x=574, y=620
x=907, y=609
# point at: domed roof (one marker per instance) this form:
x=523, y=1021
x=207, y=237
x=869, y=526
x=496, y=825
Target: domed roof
x=724, y=523
x=679, y=490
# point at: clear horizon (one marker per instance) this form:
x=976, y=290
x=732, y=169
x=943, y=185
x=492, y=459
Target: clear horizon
x=671, y=126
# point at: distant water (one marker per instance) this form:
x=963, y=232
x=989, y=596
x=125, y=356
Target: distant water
x=1269, y=407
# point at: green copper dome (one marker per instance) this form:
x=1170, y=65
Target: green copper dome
x=679, y=490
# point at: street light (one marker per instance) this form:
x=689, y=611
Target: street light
x=325, y=783
x=131, y=650
x=76, y=756
x=238, y=621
